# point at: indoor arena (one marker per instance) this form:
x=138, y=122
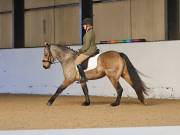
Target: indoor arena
x=94, y=67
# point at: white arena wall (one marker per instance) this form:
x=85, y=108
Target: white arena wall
x=21, y=71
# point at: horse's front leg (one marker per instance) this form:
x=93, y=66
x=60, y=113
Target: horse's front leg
x=85, y=90
x=63, y=86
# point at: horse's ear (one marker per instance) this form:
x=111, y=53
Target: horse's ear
x=46, y=44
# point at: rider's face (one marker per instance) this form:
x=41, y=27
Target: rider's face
x=85, y=27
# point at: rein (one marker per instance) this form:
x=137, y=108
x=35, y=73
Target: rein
x=48, y=45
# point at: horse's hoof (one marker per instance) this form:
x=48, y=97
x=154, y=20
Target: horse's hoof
x=85, y=103
x=49, y=103
x=145, y=103
x=115, y=104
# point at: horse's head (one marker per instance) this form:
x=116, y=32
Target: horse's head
x=47, y=56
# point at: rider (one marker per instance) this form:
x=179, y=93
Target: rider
x=89, y=47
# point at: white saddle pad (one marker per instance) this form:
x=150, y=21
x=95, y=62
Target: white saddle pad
x=92, y=63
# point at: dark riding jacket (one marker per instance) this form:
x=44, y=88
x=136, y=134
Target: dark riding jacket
x=89, y=46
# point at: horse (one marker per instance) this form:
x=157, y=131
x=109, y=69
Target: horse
x=112, y=64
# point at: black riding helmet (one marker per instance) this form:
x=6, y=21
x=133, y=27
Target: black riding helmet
x=87, y=21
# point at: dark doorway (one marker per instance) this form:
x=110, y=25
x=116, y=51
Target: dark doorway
x=173, y=19
x=86, y=12
x=18, y=23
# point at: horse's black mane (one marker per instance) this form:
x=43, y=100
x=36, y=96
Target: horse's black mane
x=71, y=49
x=64, y=46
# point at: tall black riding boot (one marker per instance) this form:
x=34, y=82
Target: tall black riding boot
x=82, y=74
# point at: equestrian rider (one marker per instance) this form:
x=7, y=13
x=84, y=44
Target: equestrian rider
x=89, y=47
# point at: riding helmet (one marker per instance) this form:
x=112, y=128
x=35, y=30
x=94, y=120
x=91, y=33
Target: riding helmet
x=88, y=21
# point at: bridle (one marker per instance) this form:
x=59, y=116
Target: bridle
x=50, y=57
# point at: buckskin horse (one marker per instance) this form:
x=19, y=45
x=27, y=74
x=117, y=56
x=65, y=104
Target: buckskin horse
x=111, y=64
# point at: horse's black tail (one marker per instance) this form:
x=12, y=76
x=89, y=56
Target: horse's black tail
x=137, y=83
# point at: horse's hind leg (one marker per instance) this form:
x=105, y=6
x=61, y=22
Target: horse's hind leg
x=126, y=76
x=85, y=90
x=119, y=91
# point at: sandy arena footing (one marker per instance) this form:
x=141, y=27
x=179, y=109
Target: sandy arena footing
x=26, y=112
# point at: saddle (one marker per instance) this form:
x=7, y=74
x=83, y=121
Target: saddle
x=84, y=64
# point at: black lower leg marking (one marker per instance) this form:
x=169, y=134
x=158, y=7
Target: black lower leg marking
x=85, y=91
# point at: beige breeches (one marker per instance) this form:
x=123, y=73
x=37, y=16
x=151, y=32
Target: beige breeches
x=80, y=59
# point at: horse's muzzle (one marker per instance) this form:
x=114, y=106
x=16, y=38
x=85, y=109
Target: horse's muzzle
x=45, y=67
